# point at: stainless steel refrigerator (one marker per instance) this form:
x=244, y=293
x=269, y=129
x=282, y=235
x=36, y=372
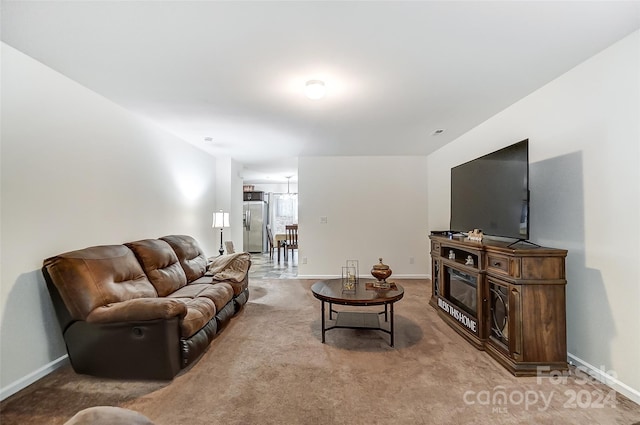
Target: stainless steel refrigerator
x=255, y=226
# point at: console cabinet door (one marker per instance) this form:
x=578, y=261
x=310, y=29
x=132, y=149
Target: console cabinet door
x=505, y=313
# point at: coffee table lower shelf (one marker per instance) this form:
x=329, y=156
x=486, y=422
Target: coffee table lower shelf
x=358, y=320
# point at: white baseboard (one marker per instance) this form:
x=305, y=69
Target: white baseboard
x=604, y=377
x=24, y=382
x=396, y=276
x=409, y=276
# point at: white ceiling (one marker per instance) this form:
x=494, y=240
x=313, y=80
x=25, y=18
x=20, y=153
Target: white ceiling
x=234, y=70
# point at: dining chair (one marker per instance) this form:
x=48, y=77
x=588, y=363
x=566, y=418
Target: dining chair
x=229, y=246
x=292, y=239
x=270, y=238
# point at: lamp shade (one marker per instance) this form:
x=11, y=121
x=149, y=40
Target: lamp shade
x=220, y=219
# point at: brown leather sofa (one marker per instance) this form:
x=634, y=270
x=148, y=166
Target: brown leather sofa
x=144, y=309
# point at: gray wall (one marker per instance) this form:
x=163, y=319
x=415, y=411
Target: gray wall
x=374, y=207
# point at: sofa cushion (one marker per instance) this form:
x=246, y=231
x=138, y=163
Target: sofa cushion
x=220, y=293
x=190, y=255
x=96, y=276
x=160, y=263
x=238, y=287
x=199, y=311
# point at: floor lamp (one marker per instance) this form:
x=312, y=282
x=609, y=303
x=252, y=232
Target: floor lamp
x=221, y=220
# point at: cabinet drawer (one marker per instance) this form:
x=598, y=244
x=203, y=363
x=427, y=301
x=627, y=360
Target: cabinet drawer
x=498, y=264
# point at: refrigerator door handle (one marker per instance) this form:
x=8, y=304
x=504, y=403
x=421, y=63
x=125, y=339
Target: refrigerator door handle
x=247, y=220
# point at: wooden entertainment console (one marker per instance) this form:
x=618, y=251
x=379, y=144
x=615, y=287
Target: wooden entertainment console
x=508, y=300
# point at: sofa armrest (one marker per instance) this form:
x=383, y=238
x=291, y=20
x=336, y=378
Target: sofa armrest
x=138, y=309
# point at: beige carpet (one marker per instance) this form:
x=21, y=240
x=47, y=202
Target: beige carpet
x=269, y=367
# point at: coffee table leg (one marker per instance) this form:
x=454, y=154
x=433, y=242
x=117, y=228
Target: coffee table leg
x=391, y=323
x=322, y=311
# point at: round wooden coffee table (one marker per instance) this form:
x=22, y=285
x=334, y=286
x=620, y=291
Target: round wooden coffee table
x=365, y=294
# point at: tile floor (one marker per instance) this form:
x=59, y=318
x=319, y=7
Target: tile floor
x=264, y=267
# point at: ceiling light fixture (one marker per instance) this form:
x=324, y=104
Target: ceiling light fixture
x=288, y=194
x=315, y=89
x=288, y=180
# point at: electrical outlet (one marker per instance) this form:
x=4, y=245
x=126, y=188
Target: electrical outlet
x=412, y=260
x=304, y=260
x=323, y=220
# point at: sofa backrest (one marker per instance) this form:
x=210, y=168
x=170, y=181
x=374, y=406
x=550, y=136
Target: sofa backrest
x=160, y=263
x=190, y=255
x=97, y=276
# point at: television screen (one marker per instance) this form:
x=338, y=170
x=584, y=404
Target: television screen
x=491, y=193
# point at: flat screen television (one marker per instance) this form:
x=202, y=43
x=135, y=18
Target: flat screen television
x=491, y=193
